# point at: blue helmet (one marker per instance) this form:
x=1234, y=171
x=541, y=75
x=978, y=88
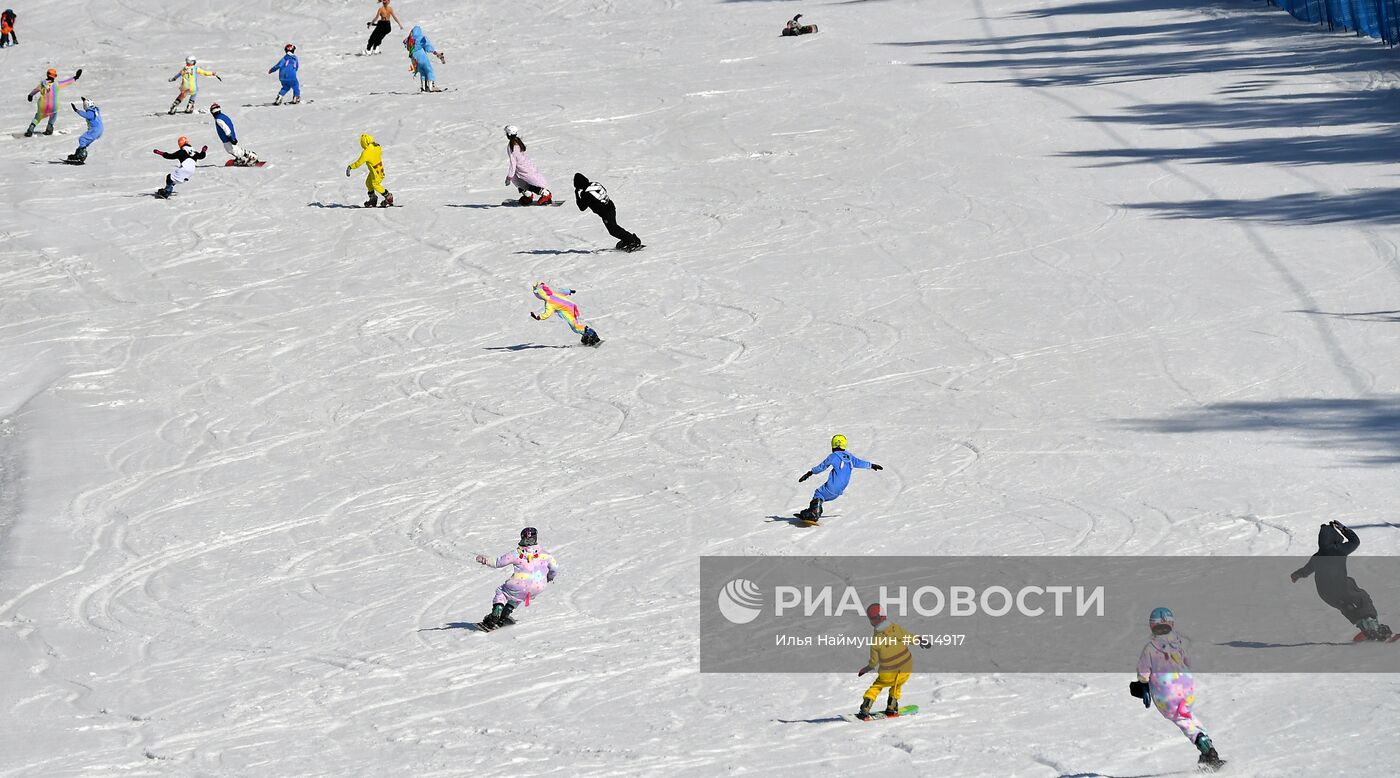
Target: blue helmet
x=1161, y=616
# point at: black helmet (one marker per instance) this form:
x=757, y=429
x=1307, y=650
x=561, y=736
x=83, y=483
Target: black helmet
x=529, y=536
x=581, y=181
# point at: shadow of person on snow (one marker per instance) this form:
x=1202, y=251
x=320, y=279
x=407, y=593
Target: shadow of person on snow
x=481, y=205
x=520, y=347
x=553, y=252
x=319, y=204
x=1256, y=644
x=467, y=625
x=790, y=519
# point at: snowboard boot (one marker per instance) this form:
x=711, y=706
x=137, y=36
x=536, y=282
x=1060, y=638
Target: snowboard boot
x=526, y=198
x=590, y=338
x=173, y=106
x=81, y=154
x=493, y=619
x=1373, y=629
x=431, y=86
x=372, y=201
x=388, y=199
x=812, y=512
x=48, y=130
x=892, y=708
x=547, y=198
x=864, y=713
x=504, y=619
x=1209, y=760
x=29, y=133
x=296, y=100
x=277, y=100
x=163, y=194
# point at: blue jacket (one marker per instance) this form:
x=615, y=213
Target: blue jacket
x=841, y=464
x=286, y=68
x=420, y=41
x=224, y=126
x=94, y=125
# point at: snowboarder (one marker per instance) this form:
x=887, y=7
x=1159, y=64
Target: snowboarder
x=841, y=464
x=590, y=195
x=522, y=173
x=535, y=568
x=889, y=654
x=189, y=83
x=372, y=157
x=93, y=115
x=185, y=156
x=420, y=54
x=48, y=90
x=794, y=27
x=559, y=302
x=286, y=70
x=381, y=26
x=7, y=29
x=1334, y=542
x=1164, y=678
x=223, y=125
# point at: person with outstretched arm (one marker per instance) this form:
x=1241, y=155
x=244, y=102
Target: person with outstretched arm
x=1335, y=541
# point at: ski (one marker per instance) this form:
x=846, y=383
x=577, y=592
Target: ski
x=907, y=710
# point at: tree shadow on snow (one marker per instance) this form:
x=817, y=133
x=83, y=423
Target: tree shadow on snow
x=1362, y=424
x=521, y=347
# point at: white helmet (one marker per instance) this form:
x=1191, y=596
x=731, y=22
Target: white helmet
x=190, y=60
x=512, y=131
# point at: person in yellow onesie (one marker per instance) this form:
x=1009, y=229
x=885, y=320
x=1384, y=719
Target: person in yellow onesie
x=372, y=157
x=189, y=83
x=889, y=654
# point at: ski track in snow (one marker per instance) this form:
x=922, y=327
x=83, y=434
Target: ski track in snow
x=253, y=437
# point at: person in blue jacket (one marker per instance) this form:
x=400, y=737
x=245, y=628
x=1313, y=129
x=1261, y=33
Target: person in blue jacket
x=224, y=126
x=286, y=70
x=93, y=115
x=841, y=464
x=419, y=49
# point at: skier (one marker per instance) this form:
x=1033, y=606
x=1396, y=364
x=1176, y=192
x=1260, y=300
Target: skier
x=419, y=61
x=1334, y=542
x=372, y=157
x=7, y=29
x=223, y=125
x=186, y=157
x=286, y=70
x=794, y=27
x=189, y=83
x=534, y=569
x=1164, y=678
x=47, y=90
x=590, y=195
x=841, y=464
x=93, y=115
x=381, y=26
x=889, y=654
x=522, y=172
x=559, y=302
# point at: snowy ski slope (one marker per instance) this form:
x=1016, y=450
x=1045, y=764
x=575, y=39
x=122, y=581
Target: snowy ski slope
x=1087, y=278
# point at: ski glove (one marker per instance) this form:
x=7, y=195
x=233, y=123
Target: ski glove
x=549, y=578
x=534, y=316
x=483, y=560
x=804, y=476
x=78, y=75
x=874, y=466
x=31, y=98
x=347, y=171
x=1140, y=689
x=863, y=671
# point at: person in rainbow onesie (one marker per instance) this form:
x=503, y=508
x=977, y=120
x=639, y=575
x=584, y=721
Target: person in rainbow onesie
x=47, y=91
x=559, y=302
x=189, y=83
x=419, y=63
x=535, y=568
x=1164, y=678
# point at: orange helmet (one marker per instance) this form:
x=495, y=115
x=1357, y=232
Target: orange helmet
x=182, y=142
x=52, y=73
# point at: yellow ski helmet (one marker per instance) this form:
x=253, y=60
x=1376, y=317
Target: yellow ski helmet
x=838, y=442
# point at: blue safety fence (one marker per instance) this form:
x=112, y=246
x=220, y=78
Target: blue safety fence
x=1376, y=18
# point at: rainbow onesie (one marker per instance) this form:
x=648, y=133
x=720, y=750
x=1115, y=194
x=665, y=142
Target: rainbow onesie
x=559, y=302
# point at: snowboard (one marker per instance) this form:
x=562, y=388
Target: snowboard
x=161, y=195
x=231, y=163
x=73, y=161
x=516, y=201
x=480, y=627
x=634, y=248
x=1361, y=638
x=906, y=710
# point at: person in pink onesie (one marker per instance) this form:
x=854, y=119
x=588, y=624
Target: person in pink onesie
x=522, y=173
x=1164, y=679
x=535, y=568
